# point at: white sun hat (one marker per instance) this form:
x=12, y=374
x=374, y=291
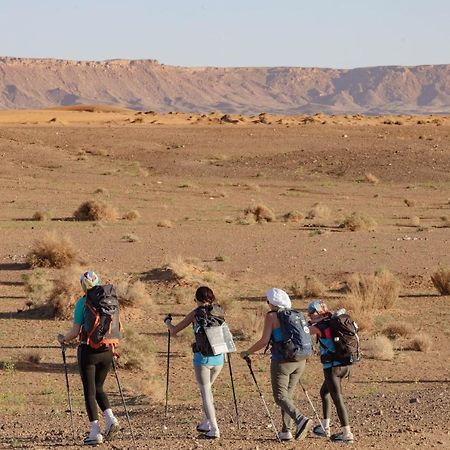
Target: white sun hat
x=277, y=297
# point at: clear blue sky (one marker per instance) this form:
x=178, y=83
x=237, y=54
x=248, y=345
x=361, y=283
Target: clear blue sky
x=302, y=33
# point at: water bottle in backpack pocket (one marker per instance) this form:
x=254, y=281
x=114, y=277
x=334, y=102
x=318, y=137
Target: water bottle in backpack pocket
x=101, y=324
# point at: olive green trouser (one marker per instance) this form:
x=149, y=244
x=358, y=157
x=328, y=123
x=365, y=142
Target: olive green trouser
x=285, y=377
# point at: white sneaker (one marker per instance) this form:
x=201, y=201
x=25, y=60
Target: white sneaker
x=93, y=439
x=285, y=435
x=319, y=431
x=204, y=427
x=112, y=429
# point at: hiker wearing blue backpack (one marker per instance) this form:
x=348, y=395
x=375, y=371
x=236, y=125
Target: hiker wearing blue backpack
x=339, y=348
x=288, y=333
x=95, y=353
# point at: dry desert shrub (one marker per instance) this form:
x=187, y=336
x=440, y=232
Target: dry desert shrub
x=66, y=291
x=441, y=280
x=52, y=250
x=397, y=330
x=93, y=210
x=38, y=286
x=132, y=215
x=42, y=216
x=132, y=294
x=130, y=237
x=313, y=287
x=319, y=211
x=293, y=216
x=410, y=203
x=251, y=327
x=421, y=342
x=372, y=292
x=165, y=224
x=371, y=178
x=380, y=348
x=359, y=222
x=102, y=191
x=261, y=213
x=415, y=221
x=33, y=357
x=445, y=221
x=136, y=352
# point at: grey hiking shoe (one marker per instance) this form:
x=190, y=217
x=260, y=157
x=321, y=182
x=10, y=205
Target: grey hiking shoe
x=341, y=438
x=319, y=431
x=112, y=430
x=303, y=428
x=203, y=427
x=285, y=435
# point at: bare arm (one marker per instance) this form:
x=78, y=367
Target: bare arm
x=70, y=335
x=265, y=338
x=314, y=330
x=174, y=329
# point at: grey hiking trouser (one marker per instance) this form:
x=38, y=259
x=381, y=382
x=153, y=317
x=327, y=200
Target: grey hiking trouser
x=332, y=387
x=205, y=376
x=285, y=377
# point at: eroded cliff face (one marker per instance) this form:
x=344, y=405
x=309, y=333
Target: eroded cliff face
x=147, y=84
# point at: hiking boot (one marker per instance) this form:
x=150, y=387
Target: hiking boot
x=203, y=427
x=319, y=431
x=342, y=438
x=111, y=430
x=93, y=439
x=285, y=435
x=303, y=428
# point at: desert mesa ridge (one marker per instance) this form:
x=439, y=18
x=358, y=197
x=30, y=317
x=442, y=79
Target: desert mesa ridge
x=147, y=84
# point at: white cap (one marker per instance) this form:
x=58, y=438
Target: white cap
x=277, y=297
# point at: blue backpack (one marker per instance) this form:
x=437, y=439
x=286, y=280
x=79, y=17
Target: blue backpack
x=297, y=343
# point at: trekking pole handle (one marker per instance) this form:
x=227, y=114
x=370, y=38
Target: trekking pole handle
x=248, y=361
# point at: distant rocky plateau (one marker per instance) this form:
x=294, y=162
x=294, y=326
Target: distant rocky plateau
x=148, y=85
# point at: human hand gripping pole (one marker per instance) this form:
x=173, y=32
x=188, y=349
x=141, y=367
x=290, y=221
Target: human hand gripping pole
x=249, y=364
x=167, y=321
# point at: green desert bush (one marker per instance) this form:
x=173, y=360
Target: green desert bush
x=441, y=280
x=94, y=210
x=52, y=250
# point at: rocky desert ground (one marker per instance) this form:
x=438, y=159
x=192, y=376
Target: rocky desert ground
x=241, y=203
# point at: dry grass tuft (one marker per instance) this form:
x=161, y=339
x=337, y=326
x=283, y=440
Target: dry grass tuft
x=93, y=210
x=397, y=330
x=370, y=178
x=165, y=224
x=319, y=211
x=52, y=251
x=38, y=286
x=293, y=216
x=130, y=237
x=359, y=222
x=102, y=191
x=132, y=294
x=445, y=221
x=251, y=327
x=132, y=215
x=380, y=348
x=313, y=287
x=33, y=357
x=372, y=292
x=261, y=213
x=136, y=352
x=441, y=280
x=420, y=343
x=410, y=203
x=415, y=221
x=66, y=292
x=42, y=216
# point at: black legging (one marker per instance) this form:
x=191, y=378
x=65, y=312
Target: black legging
x=332, y=387
x=94, y=366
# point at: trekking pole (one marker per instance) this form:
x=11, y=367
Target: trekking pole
x=63, y=349
x=169, y=316
x=249, y=364
x=234, y=392
x=123, y=400
x=312, y=406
